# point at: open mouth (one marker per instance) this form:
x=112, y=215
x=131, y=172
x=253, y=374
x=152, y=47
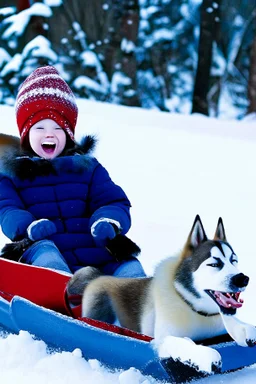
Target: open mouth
x=48, y=147
x=228, y=300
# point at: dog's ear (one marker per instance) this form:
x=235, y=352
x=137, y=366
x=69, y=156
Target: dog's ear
x=220, y=231
x=196, y=236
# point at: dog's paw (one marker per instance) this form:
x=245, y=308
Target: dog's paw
x=198, y=357
x=216, y=365
x=80, y=279
x=245, y=335
x=250, y=335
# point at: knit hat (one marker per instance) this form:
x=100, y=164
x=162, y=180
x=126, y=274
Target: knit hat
x=45, y=95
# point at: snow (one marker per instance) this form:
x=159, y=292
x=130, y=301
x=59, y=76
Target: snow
x=80, y=34
x=7, y=11
x=89, y=58
x=215, y=5
x=53, y=3
x=162, y=34
x=87, y=82
x=119, y=78
x=13, y=65
x=4, y=57
x=239, y=21
x=127, y=46
x=19, y=22
x=39, y=47
x=172, y=167
x=147, y=12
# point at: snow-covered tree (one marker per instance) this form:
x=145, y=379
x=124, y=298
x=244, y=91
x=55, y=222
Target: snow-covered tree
x=236, y=38
x=135, y=52
x=167, y=52
x=23, y=36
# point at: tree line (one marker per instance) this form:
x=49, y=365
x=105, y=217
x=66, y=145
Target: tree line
x=172, y=55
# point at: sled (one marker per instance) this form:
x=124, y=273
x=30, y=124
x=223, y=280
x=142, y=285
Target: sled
x=34, y=299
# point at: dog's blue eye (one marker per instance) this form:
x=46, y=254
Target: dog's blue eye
x=233, y=259
x=218, y=263
x=214, y=265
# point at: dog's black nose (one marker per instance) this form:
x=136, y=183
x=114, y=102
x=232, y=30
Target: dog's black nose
x=240, y=280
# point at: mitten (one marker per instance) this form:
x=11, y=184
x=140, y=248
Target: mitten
x=41, y=229
x=14, y=251
x=122, y=248
x=102, y=231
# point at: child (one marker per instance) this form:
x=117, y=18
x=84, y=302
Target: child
x=54, y=192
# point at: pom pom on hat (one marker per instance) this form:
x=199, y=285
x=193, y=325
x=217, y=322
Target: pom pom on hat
x=45, y=95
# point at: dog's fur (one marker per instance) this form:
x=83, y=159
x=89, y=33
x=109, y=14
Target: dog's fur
x=8, y=143
x=184, y=298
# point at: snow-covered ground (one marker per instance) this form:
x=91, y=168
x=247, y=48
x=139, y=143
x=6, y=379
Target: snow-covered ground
x=171, y=167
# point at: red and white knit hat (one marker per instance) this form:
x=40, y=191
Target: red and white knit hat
x=45, y=95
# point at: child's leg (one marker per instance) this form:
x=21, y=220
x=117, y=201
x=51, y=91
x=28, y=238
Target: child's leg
x=44, y=253
x=130, y=268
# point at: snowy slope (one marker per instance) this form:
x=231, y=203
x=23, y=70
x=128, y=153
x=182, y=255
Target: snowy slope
x=171, y=167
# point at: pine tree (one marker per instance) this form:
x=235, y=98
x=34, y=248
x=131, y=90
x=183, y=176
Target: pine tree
x=136, y=52
x=25, y=37
x=236, y=37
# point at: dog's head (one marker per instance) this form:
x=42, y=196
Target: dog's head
x=207, y=275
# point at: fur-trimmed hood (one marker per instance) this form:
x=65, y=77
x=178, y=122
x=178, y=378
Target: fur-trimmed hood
x=16, y=162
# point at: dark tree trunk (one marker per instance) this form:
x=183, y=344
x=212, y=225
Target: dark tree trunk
x=252, y=79
x=210, y=17
x=22, y=4
x=125, y=26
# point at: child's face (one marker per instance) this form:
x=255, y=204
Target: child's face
x=47, y=139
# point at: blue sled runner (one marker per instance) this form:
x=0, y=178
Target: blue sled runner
x=34, y=299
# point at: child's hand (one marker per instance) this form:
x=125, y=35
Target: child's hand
x=41, y=229
x=102, y=231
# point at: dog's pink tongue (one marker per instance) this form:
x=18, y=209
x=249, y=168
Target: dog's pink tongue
x=227, y=301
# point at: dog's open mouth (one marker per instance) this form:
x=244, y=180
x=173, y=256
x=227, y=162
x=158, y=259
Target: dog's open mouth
x=226, y=299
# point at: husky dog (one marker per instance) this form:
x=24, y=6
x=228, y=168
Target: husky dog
x=193, y=295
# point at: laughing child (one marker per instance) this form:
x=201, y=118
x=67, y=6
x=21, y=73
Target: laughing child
x=54, y=192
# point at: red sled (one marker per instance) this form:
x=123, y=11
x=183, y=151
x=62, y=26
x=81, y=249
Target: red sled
x=47, y=288
x=42, y=286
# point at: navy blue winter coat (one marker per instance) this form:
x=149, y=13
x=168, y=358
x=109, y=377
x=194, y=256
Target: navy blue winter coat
x=73, y=191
